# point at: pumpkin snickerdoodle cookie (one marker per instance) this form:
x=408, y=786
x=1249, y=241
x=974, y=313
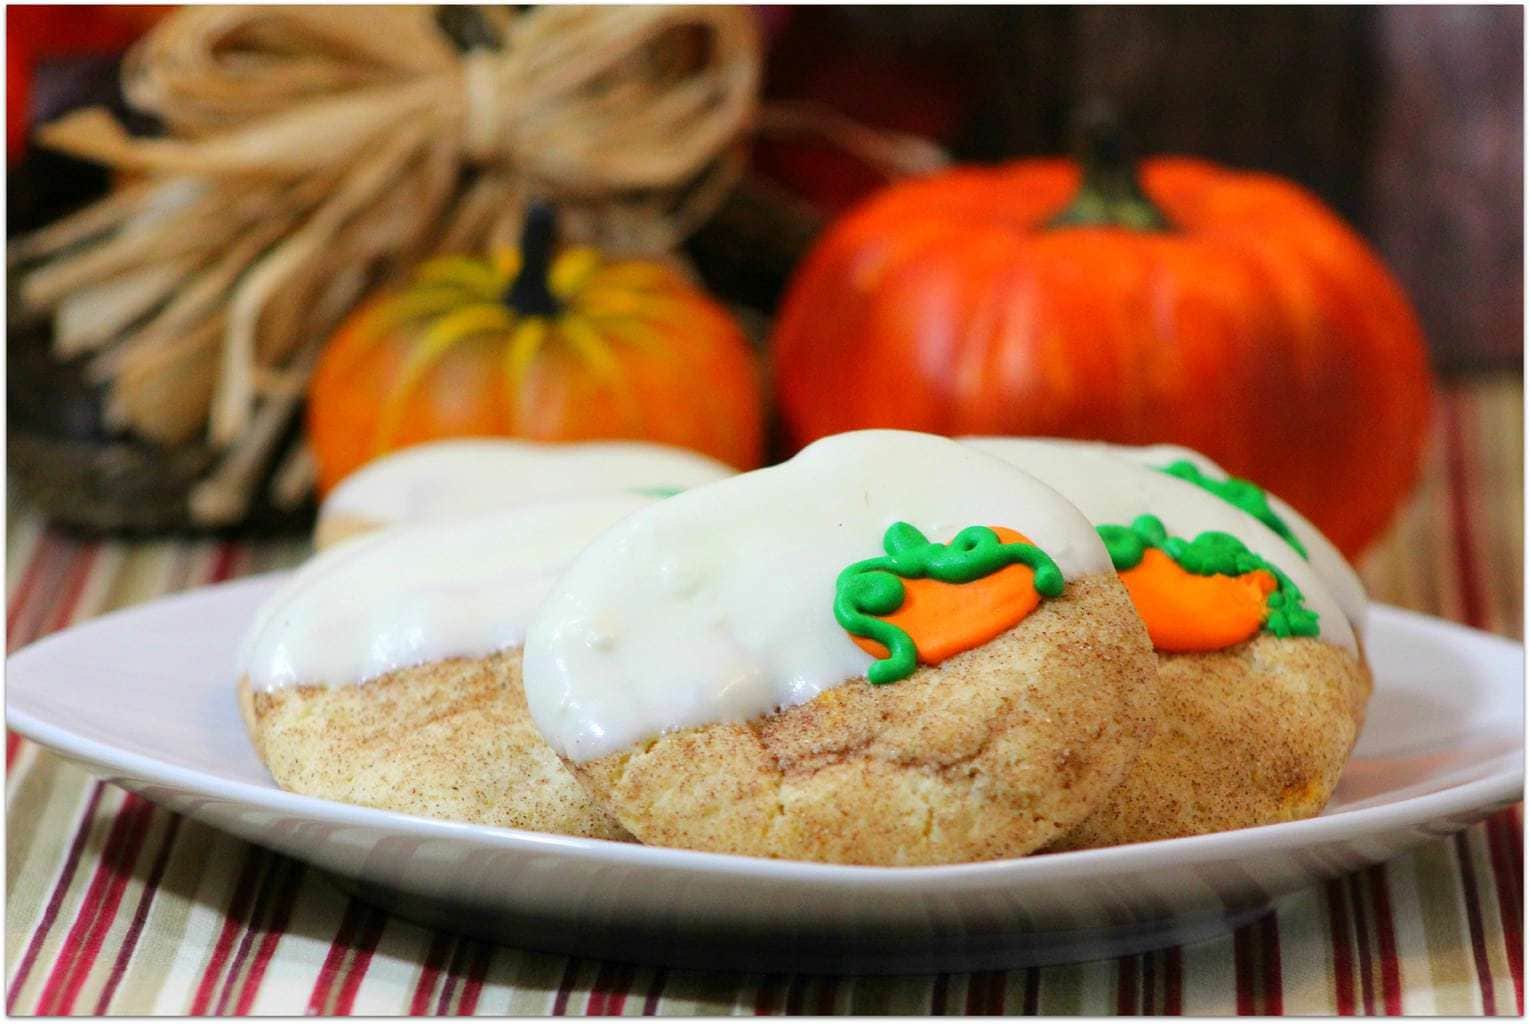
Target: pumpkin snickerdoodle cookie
x=387, y=671
x=474, y=476
x=1262, y=690
x=891, y=649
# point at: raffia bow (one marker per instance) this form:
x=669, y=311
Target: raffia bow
x=311, y=152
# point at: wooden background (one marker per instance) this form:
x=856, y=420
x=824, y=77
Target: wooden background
x=1408, y=120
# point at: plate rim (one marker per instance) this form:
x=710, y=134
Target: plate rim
x=1503, y=785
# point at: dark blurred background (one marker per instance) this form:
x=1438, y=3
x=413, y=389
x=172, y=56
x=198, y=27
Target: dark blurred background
x=1408, y=120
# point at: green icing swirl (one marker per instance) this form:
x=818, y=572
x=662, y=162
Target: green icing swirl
x=656, y=492
x=873, y=587
x=1244, y=494
x=1210, y=554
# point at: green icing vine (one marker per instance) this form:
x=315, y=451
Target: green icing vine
x=873, y=587
x=656, y=492
x=1244, y=494
x=1212, y=553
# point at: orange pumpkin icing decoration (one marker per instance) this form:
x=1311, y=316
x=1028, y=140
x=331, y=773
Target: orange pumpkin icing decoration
x=1186, y=612
x=1203, y=594
x=945, y=619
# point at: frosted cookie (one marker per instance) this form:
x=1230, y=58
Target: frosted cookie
x=387, y=671
x=1261, y=688
x=891, y=649
x=445, y=479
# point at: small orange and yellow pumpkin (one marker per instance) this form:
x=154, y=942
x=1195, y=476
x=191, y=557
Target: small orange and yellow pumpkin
x=531, y=345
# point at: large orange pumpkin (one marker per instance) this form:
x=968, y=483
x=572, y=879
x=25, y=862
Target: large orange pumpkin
x=572, y=348
x=1230, y=312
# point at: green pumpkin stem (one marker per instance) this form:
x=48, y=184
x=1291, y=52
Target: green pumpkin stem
x=529, y=293
x=1109, y=195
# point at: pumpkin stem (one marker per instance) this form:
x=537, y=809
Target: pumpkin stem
x=1109, y=194
x=529, y=294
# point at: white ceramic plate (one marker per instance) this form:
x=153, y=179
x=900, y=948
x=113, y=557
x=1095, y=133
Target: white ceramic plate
x=143, y=698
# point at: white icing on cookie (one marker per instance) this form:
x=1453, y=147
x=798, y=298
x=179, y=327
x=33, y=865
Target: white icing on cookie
x=477, y=475
x=1325, y=559
x=1109, y=488
x=717, y=604
x=419, y=593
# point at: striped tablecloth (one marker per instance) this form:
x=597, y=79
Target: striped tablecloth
x=115, y=906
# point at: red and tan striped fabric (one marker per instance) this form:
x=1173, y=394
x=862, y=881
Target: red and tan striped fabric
x=115, y=906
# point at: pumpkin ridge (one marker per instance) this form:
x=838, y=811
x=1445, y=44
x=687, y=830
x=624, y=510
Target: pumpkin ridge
x=572, y=272
x=416, y=303
x=375, y=323
x=595, y=353
x=470, y=275
x=440, y=338
x=633, y=331
x=525, y=343
x=585, y=342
